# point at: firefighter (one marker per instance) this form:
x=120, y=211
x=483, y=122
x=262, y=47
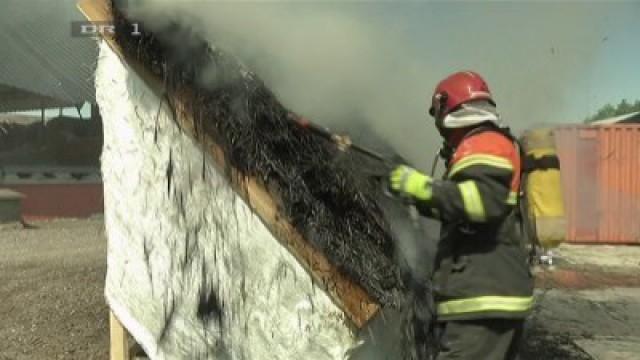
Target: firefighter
x=483, y=286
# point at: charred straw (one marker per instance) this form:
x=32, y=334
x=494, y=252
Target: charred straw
x=327, y=202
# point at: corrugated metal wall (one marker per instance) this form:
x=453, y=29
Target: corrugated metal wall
x=600, y=169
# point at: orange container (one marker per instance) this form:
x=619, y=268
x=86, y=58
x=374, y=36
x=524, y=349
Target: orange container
x=600, y=170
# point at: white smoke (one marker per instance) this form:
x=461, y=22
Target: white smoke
x=377, y=62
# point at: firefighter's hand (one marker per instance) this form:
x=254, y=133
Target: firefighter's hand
x=342, y=142
x=407, y=181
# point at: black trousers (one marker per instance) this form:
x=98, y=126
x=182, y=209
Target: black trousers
x=486, y=339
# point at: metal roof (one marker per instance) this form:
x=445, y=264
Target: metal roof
x=19, y=119
x=14, y=99
x=39, y=59
x=633, y=117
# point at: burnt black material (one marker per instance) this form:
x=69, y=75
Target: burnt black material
x=332, y=205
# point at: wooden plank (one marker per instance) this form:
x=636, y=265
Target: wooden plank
x=95, y=11
x=348, y=295
x=119, y=342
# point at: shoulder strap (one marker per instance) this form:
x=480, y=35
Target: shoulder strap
x=527, y=222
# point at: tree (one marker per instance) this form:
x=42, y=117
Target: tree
x=624, y=107
x=608, y=110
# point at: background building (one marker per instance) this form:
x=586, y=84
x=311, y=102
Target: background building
x=50, y=129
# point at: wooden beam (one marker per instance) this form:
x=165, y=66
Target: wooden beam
x=119, y=349
x=348, y=295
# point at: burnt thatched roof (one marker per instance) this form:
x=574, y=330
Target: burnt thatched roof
x=329, y=203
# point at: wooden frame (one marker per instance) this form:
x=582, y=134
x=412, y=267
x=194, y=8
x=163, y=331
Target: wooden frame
x=349, y=296
x=119, y=349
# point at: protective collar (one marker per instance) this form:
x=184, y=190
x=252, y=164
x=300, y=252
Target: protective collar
x=472, y=114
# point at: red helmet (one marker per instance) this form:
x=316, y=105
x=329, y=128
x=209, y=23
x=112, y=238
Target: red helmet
x=457, y=89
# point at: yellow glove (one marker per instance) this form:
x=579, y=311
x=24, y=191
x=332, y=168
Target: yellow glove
x=409, y=181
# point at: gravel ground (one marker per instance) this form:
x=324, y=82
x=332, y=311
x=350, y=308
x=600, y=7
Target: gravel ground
x=51, y=286
x=588, y=305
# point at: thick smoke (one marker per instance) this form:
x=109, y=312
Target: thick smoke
x=325, y=61
x=348, y=63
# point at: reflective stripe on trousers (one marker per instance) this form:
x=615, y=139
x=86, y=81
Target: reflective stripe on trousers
x=486, y=304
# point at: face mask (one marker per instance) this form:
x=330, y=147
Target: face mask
x=471, y=114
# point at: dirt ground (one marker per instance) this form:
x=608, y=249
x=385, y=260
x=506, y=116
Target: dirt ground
x=52, y=304
x=51, y=286
x=588, y=305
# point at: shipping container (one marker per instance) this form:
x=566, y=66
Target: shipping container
x=600, y=170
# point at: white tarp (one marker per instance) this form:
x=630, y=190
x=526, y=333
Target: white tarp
x=192, y=272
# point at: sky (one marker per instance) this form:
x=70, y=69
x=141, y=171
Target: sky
x=596, y=53
x=615, y=73
x=377, y=62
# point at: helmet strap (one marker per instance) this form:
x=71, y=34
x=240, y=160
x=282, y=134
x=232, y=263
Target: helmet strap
x=441, y=105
